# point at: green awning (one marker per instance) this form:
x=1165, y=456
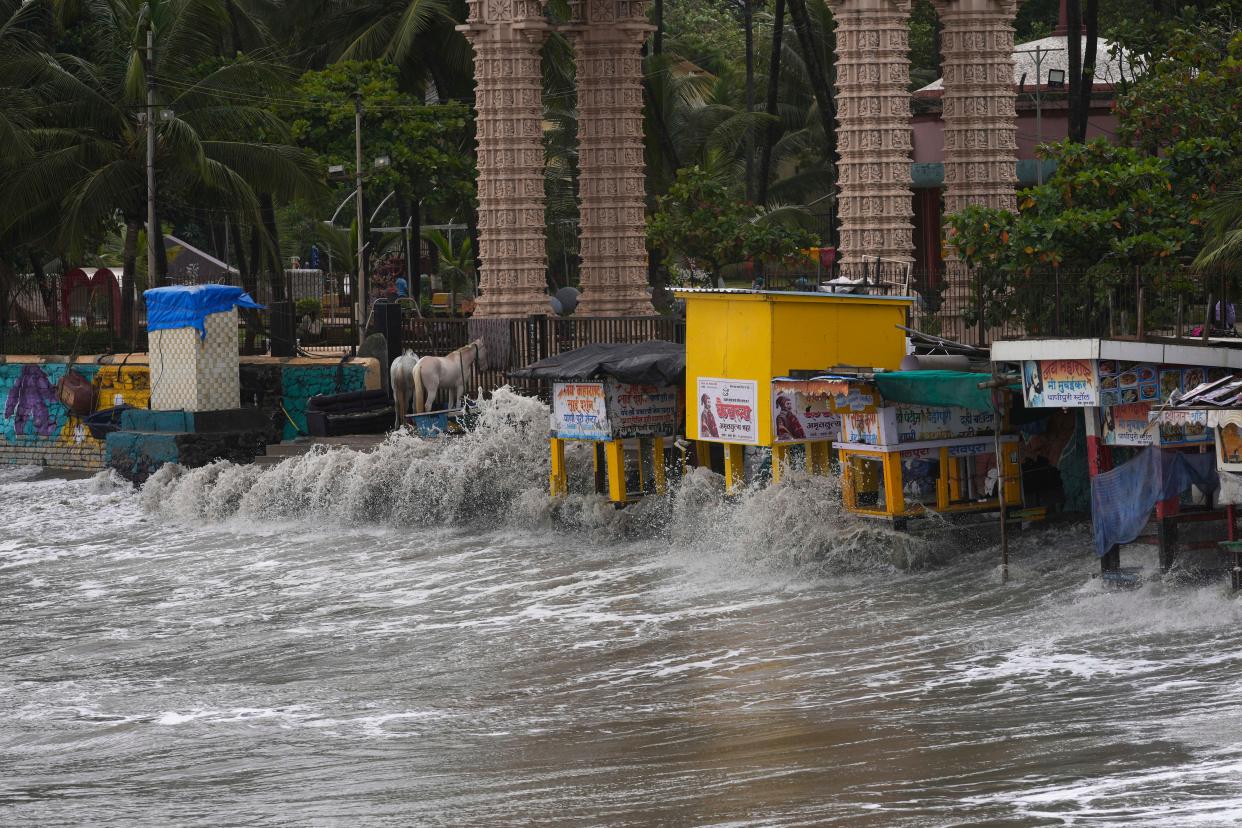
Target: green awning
x=936, y=388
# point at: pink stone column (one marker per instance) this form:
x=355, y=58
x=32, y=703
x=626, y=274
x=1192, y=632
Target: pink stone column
x=506, y=36
x=875, y=201
x=607, y=37
x=979, y=116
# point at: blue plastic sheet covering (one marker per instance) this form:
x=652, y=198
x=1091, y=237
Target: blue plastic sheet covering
x=1122, y=499
x=187, y=306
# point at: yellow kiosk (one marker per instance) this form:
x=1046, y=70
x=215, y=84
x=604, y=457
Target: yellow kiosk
x=738, y=341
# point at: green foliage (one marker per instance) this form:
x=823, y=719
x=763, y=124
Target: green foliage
x=702, y=221
x=1194, y=92
x=424, y=143
x=456, y=262
x=1116, y=213
x=308, y=306
x=705, y=33
x=50, y=339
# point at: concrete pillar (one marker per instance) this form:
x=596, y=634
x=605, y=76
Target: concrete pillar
x=506, y=37
x=192, y=372
x=874, y=134
x=607, y=40
x=979, y=116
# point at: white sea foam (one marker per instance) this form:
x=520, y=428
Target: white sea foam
x=497, y=474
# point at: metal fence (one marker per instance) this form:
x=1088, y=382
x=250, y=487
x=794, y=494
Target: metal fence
x=979, y=306
x=516, y=343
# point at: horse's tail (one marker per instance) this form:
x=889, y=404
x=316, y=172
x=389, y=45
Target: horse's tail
x=419, y=401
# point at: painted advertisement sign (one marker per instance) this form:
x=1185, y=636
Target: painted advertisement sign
x=865, y=428
x=799, y=417
x=1128, y=425
x=641, y=410
x=1183, y=427
x=727, y=410
x=923, y=422
x=580, y=411
x=1060, y=383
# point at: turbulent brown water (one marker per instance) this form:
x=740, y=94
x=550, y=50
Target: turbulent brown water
x=418, y=637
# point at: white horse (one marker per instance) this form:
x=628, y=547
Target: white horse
x=401, y=373
x=452, y=371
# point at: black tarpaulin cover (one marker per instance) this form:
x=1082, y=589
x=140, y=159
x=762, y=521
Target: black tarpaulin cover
x=642, y=363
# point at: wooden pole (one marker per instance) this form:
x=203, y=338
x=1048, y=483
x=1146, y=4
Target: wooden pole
x=996, y=383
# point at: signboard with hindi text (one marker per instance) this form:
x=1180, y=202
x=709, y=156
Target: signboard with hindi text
x=1128, y=425
x=916, y=423
x=611, y=410
x=580, y=411
x=805, y=411
x=1060, y=383
x=727, y=410
x=641, y=410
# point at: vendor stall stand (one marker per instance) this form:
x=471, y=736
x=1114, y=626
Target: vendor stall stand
x=1119, y=384
x=738, y=341
x=1219, y=403
x=621, y=399
x=909, y=442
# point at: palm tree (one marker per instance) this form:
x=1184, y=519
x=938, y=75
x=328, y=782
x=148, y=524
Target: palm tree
x=418, y=36
x=1223, y=247
x=209, y=150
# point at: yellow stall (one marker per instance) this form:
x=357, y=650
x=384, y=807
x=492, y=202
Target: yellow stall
x=738, y=341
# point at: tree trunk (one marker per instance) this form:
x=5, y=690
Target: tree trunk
x=129, y=281
x=47, y=291
x=819, y=80
x=1073, y=13
x=657, y=41
x=275, y=264
x=415, y=267
x=249, y=283
x=160, y=277
x=774, y=82
x=748, y=22
x=1080, y=106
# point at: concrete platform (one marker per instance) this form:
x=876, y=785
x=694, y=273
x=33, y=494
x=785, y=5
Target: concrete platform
x=278, y=452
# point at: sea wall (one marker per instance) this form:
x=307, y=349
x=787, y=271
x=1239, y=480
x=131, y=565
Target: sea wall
x=37, y=429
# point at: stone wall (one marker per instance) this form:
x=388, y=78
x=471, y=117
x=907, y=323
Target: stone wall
x=36, y=429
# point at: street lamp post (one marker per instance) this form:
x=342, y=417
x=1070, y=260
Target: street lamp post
x=362, y=275
x=1039, y=52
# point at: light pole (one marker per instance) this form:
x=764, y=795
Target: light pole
x=151, y=228
x=1039, y=52
x=362, y=275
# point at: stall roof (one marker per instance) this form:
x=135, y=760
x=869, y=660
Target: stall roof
x=805, y=295
x=936, y=388
x=643, y=363
x=1225, y=392
x=1216, y=352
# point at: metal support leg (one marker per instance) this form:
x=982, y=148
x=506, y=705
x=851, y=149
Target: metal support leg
x=817, y=458
x=559, y=484
x=601, y=470
x=780, y=457
x=735, y=466
x=614, y=450
x=657, y=464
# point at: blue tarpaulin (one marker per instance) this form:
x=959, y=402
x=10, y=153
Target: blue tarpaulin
x=1122, y=499
x=188, y=305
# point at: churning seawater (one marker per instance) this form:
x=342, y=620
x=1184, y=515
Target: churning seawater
x=416, y=637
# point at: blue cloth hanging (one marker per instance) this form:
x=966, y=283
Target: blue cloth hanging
x=1122, y=499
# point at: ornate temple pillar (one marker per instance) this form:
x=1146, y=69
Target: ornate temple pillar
x=979, y=114
x=875, y=200
x=608, y=37
x=506, y=36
